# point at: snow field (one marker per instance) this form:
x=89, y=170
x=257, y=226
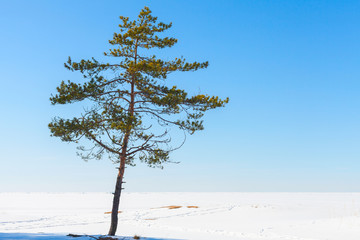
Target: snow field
x=220, y=216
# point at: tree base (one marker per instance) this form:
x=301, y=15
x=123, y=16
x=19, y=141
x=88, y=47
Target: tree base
x=98, y=238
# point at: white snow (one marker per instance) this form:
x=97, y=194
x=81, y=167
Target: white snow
x=220, y=216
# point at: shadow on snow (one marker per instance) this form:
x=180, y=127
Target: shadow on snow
x=46, y=236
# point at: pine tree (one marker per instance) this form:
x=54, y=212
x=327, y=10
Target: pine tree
x=128, y=109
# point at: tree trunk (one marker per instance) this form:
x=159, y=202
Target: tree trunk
x=116, y=199
x=119, y=180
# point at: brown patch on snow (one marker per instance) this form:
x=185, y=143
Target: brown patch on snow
x=110, y=212
x=176, y=207
x=172, y=207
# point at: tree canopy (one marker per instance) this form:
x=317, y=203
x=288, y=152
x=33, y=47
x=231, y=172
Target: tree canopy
x=136, y=89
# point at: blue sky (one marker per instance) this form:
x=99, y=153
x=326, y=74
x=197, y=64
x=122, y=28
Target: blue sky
x=290, y=69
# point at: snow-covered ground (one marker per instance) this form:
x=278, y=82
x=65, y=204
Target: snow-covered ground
x=220, y=216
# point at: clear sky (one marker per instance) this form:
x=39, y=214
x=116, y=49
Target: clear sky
x=290, y=68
